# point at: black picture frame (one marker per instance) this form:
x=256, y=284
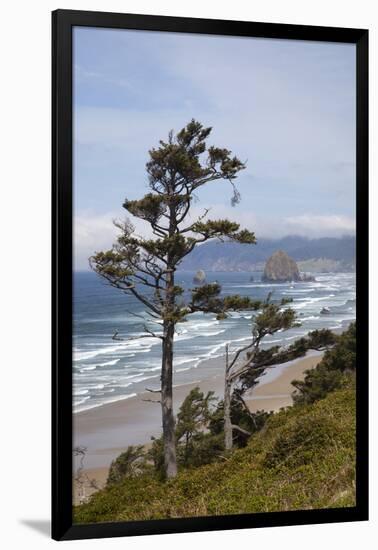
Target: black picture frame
x=62, y=23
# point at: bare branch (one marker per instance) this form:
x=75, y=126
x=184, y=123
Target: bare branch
x=241, y=430
x=153, y=334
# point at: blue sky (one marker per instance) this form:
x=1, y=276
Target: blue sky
x=287, y=107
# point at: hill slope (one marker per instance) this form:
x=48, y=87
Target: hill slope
x=304, y=458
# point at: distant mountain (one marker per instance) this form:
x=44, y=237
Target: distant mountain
x=325, y=254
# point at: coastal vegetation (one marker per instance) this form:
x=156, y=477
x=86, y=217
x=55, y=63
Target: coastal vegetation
x=301, y=457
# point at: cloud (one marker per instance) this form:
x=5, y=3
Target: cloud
x=94, y=232
x=272, y=226
x=320, y=226
x=91, y=233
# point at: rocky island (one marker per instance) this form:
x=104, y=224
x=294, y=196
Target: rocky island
x=200, y=277
x=280, y=268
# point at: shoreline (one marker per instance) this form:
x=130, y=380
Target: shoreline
x=133, y=421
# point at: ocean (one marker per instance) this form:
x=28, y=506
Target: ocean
x=106, y=370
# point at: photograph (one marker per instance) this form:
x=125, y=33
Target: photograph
x=214, y=275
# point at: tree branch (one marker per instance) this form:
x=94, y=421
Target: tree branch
x=241, y=430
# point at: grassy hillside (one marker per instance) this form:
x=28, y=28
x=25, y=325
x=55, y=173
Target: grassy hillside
x=303, y=458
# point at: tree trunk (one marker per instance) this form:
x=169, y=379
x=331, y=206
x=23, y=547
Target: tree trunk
x=169, y=439
x=169, y=436
x=227, y=408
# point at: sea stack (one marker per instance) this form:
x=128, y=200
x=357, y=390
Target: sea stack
x=280, y=268
x=200, y=277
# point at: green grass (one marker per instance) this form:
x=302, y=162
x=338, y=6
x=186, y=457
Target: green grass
x=304, y=458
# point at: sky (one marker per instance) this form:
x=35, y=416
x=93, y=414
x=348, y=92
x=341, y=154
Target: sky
x=285, y=107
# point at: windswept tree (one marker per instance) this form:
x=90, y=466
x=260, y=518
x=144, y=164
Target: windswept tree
x=145, y=267
x=251, y=360
x=246, y=366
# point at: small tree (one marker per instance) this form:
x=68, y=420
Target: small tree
x=145, y=267
x=251, y=359
x=192, y=419
x=196, y=442
x=130, y=463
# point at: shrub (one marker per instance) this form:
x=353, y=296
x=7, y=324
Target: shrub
x=130, y=463
x=333, y=371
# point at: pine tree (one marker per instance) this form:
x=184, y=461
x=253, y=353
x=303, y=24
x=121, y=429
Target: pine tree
x=145, y=267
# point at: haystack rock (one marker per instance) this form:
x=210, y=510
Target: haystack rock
x=280, y=268
x=200, y=277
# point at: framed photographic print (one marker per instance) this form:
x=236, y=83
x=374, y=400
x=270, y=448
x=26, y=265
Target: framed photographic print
x=210, y=239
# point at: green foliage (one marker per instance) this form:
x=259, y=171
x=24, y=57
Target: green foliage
x=150, y=208
x=251, y=422
x=190, y=160
x=223, y=228
x=316, y=340
x=304, y=458
x=130, y=463
x=196, y=445
x=192, y=419
x=333, y=370
x=321, y=338
x=317, y=384
x=343, y=356
x=207, y=298
x=156, y=455
x=273, y=318
x=194, y=414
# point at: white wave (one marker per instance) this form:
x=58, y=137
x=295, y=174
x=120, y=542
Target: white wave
x=213, y=333
x=183, y=337
x=195, y=325
x=309, y=301
x=309, y=318
x=79, y=392
x=153, y=369
x=178, y=362
x=136, y=379
x=100, y=404
x=81, y=401
x=299, y=291
x=295, y=336
x=132, y=345
x=108, y=363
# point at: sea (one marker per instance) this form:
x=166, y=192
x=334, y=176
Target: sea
x=107, y=370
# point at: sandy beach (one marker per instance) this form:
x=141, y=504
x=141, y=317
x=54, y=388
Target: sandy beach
x=108, y=430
